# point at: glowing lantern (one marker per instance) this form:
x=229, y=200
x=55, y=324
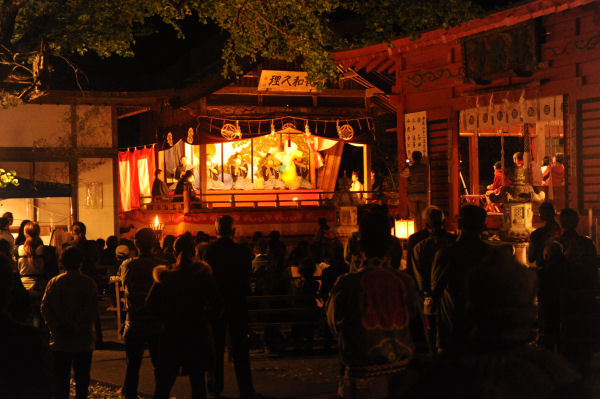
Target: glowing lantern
x=403, y=228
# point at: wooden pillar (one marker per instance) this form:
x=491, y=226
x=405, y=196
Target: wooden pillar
x=203, y=172
x=453, y=167
x=368, y=184
x=115, y=168
x=73, y=166
x=474, y=163
x=398, y=98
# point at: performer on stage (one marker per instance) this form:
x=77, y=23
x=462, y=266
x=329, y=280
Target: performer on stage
x=239, y=173
x=270, y=173
x=302, y=172
x=213, y=177
x=494, y=188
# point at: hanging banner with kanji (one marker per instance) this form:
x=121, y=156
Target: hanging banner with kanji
x=415, y=132
x=284, y=81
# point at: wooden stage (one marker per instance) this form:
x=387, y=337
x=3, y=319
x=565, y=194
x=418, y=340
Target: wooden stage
x=292, y=212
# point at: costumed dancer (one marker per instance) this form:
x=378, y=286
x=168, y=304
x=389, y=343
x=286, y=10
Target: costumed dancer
x=287, y=169
x=239, y=173
x=302, y=172
x=270, y=173
x=213, y=177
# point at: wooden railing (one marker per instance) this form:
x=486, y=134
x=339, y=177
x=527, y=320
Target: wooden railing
x=283, y=199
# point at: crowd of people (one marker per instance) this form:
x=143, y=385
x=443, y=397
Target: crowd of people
x=462, y=312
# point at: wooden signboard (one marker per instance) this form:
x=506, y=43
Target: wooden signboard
x=284, y=81
x=415, y=132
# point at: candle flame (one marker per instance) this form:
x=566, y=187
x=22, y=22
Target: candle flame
x=156, y=221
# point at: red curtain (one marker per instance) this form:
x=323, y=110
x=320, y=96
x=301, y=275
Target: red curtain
x=136, y=175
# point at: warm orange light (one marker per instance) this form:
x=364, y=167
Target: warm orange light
x=403, y=228
x=156, y=224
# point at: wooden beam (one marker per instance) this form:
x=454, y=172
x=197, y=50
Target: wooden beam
x=253, y=90
x=376, y=61
x=133, y=112
x=31, y=154
x=386, y=65
x=258, y=112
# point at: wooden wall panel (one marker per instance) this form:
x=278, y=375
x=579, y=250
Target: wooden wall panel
x=588, y=154
x=437, y=131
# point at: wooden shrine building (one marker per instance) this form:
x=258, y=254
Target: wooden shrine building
x=523, y=79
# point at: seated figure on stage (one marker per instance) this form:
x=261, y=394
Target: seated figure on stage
x=494, y=188
x=270, y=173
x=185, y=184
x=302, y=173
x=214, y=183
x=239, y=173
x=183, y=167
x=159, y=187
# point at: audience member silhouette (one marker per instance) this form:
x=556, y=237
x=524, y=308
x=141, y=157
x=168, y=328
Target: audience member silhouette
x=19, y=304
x=577, y=274
x=424, y=251
x=30, y=263
x=187, y=299
x=90, y=256
x=371, y=311
x=261, y=265
x=69, y=307
x=231, y=267
x=108, y=256
x=27, y=363
x=20, y=240
x=303, y=335
x=142, y=327
x=538, y=239
x=422, y=256
x=451, y=269
x=500, y=362
x=337, y=267
x=167, y=249
x=5, y=233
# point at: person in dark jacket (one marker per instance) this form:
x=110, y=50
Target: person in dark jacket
x=184, y=184
x=90, y=256
x=69, y=308
x=537, y=240
x=142, y=327
x=417, y=190
x=159, y=187
x=27, y=362
x=449, y=274
x=187, y=299
x=578, y=276
x=500, y=361
x=231, y=267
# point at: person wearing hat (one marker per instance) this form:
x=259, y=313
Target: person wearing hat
x=159, y=187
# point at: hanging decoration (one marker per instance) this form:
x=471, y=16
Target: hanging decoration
x=231, y=132
x=345, y=132
x=288, y=125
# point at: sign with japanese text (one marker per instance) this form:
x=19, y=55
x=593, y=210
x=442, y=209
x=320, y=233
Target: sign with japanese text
x=415, y=132
x=284, y=81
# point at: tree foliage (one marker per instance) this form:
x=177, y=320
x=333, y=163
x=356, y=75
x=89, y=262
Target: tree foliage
x=35, y=34
x=8, y=177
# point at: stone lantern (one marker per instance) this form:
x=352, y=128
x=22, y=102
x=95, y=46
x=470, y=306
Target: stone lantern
x=518, y=214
